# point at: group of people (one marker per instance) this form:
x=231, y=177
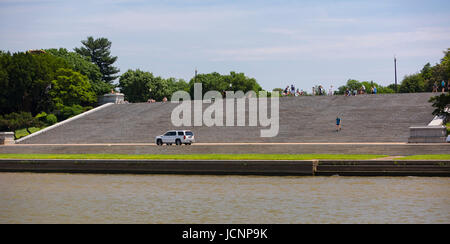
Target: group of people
x=151, y=100
x=442, y=86
x=291, y=91
x=321, y=91
x=360, y=91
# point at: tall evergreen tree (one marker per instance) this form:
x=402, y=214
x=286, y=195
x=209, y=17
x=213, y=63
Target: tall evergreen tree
x=99, y=52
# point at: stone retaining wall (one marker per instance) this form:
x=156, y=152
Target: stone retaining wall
x=6, y=138
x=427, y=134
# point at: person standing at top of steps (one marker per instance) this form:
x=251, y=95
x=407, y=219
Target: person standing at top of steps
x=435, y=87
x=443, y=85
x=338, y=123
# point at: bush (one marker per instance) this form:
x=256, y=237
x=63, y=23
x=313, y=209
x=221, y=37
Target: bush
x=15, y=121
x=66, y=112
x=441, y=103
x=51, y=119
x=41, y=116
x=70, y=111
x=3, y=125
x=412, y=83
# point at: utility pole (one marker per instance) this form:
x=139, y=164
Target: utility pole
x=195, y=77
x=395, y=68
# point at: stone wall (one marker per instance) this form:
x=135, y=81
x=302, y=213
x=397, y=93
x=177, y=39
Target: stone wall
x=427, y=134
x=116, y=98
x=6, y=138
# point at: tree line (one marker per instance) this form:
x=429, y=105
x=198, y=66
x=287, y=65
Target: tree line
x=423, y=81
x=40, y=87
x=140, y=86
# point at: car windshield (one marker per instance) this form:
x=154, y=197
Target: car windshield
x=189, y=133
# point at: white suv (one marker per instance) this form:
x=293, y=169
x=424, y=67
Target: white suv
x=176, y=136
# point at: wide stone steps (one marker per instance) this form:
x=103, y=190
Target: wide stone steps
x=365, y=118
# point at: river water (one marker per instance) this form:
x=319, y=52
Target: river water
x=93, y=198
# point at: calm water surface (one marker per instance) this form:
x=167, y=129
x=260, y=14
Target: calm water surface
x=86, y=198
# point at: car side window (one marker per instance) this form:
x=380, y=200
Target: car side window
x=170, y=133
x=180, y=133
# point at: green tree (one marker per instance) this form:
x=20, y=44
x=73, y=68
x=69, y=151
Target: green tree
x=98, y=50
x=176, y=85
x=25, y=80
x=139, y=86
x=217, y=82
x=240, y=82
x=393, y=88
x=412, y=83
x=279, y=90
x=71, y=88
x=427, y=76
x=210, y=82
x=442, y=105
x=435, y=74
x=380, y=89
x=84, y=66
x=351, y=85
x=356, y=85
x=441, y=71
x=5, y=59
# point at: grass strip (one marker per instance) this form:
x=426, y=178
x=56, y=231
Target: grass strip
x=426, y=157
x=196, y=156
x=23, y=132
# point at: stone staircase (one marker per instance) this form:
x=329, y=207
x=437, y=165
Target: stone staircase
x=365, y=118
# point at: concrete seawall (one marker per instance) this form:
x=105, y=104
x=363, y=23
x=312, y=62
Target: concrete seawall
x=384, y=168
x=232, y=167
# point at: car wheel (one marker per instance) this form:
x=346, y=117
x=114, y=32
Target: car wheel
x=159, y=142
x=178, y=142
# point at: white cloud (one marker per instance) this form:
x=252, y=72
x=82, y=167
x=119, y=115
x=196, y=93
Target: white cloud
x=373, y=45
x=334, y=20
x=162, y=19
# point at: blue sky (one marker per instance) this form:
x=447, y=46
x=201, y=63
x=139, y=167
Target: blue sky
x=277, y=42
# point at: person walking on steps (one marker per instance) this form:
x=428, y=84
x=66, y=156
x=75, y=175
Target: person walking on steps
x=338, y=124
